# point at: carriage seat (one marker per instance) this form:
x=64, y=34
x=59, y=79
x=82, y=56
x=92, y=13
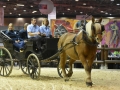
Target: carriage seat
x=7, y=41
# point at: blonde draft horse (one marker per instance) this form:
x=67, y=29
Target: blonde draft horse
x=83, y=48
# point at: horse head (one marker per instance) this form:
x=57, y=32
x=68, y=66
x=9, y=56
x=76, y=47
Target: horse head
x=94, y=28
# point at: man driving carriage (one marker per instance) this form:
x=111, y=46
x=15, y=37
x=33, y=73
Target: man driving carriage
x=37, y=33
x=33, y=32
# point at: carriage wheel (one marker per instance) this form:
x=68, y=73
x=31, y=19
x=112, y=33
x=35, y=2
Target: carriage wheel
x=23, y=66
x=6, y=62
x=33, y=66
x=59, y=70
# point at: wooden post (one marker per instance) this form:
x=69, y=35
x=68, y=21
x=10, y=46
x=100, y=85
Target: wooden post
x=102, y=57
x=106, y=56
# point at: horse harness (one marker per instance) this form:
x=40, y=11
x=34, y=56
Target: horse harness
x=86, y=40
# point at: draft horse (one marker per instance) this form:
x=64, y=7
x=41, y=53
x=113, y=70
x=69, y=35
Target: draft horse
x=81, y=46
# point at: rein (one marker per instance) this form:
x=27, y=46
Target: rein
x=86, y=40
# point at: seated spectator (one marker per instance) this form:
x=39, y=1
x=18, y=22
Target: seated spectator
x=33, y=33
x=23, y=32
x=45, y=29
x=45, y=32
x=18, y=43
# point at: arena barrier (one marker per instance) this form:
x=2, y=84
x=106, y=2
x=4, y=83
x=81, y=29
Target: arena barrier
x=105, y=57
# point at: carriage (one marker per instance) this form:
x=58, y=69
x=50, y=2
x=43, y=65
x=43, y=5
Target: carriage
x=30, y=60
x=81, y=46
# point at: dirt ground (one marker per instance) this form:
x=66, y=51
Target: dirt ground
x=108, y=79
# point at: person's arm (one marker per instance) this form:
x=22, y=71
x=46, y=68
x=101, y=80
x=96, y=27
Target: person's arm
x=30, y=33
x=42, y=31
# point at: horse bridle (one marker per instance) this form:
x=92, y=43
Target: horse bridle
x=102, y=29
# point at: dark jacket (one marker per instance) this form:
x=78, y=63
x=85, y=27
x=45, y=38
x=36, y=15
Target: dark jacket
x=23, y=34
x=13, y=36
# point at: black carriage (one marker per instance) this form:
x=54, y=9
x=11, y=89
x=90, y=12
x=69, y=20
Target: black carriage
x=30, y=61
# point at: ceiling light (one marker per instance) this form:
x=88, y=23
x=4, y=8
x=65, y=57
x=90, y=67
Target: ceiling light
x=7, y=0
x=19, y=14
x=112, y=0
x=111, y=17
x=31, y=6
x=34, y=11
x=63, y=13
x=4, y=6
x=110, y=14
x=76, y=0
x=15, y=8
x=102, y=11
x=81, y=12
x=24, y=10
x=84, y=3
x=68, y=9
x=20, y=4
x=117, y=4
x=91, y=7
x=106, y=13
x=10, y=13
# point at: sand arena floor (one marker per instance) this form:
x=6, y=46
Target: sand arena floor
x=49, y=80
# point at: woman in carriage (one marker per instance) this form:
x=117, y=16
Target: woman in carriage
x=18, y=43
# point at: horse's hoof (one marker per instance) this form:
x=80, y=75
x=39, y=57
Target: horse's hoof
x=89, y=84
x=66, y=79
x=69, y=74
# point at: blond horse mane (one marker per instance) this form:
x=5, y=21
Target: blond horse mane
x=89, y=29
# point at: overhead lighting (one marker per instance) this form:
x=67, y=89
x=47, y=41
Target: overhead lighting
x=20, y=4
x=7, y=0
x=76, y=0
x=24, y=10
x=19, y=14
x=84, y=3
x=91, y=7
x=112, y=0
x=31, y=6
x=63, y=13
x=102, y=11
x=81, y=12
x=15, y=8
x=10, y=13
x=68, y=9
x=106, y=13
x=117, y=4
x=111, y=17
x=34, y=11
x=4, y=6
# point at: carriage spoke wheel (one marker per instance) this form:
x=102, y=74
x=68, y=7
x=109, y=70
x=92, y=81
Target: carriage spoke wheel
x=33, y=66
x=59, y=70
x=23, y=66
x=6, y=62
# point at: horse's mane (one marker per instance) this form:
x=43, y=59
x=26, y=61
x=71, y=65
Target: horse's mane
x=89, y=27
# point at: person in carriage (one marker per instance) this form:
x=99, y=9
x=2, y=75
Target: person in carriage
x=45, y=29
x=45, y=32
x=18, y=43
x=33, y=33
x=23, y=32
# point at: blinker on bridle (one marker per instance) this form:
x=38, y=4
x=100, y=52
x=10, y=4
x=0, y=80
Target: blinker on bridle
x=102, y=28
